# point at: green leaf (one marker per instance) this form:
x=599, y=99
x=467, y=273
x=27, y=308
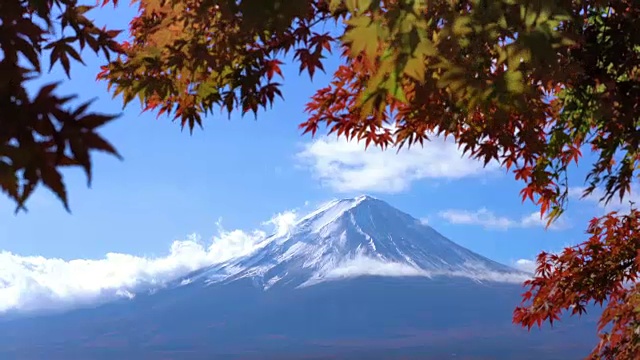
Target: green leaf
x=394, y=86
x=362, y=36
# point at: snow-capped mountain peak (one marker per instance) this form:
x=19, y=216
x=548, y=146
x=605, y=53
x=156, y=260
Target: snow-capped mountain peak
x=330, y=212
x=355, y=237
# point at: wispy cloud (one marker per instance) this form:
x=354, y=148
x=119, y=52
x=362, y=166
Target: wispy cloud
x=361, y=266
x=366, y=266
x=614, y=205
x=489, y=220
x=345, y=166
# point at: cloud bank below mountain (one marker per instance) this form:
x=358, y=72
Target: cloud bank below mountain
x=365, y=266
x=29, y=283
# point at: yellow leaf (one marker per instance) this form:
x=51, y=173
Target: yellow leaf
x=462, y=26
x=352, y=5
x=364, y=5
x=514, y=82
x=334, y=5
x=415, y=68
x=362, y=36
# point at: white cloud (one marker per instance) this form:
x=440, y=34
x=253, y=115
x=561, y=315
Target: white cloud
x=30, y=283
x=282, y=222
x=525, y=265
x=481, y=217
x=345, y=166
x=362, y=266
x=489, y=220
x=534, y=219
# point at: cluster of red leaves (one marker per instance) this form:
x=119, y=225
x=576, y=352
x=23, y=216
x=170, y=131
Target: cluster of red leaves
x=604, y=270
x=172, y=66
x=40, y=134
x=537, y=140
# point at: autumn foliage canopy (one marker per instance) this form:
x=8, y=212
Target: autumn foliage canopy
x=530, y=84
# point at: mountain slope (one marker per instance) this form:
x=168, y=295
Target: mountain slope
x=355, y=237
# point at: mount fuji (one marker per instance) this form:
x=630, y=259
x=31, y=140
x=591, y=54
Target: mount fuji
x=355, y=237
x=355, y=279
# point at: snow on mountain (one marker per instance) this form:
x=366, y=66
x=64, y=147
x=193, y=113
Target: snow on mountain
x=355, y=237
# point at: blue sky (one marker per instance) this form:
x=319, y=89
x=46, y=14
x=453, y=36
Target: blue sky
x=172, y=184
